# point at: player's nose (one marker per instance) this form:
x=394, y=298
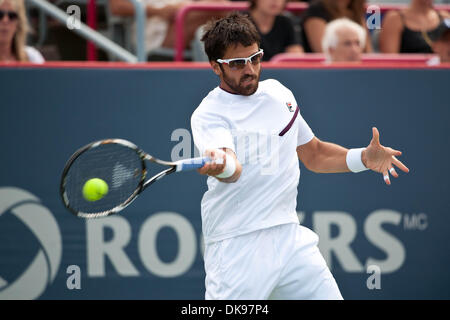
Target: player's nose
x=249, y=68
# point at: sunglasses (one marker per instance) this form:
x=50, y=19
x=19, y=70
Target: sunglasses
x=240, y=63
x=11, y=15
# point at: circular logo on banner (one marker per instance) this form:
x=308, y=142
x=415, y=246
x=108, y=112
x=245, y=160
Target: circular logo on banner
x=40, y=221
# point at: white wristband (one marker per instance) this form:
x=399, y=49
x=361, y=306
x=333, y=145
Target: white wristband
x=354, y=162
x=230, y=168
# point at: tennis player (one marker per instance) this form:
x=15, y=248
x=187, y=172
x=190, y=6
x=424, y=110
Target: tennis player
x=255, y=247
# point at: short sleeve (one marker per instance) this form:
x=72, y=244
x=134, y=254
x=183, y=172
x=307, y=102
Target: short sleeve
x=210, y=132
x=34, y=56
x=305, y=134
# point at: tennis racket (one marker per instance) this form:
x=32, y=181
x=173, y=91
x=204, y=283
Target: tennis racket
x=122, y=165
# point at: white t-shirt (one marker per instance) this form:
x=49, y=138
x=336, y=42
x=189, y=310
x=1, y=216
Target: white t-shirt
x=34, y=56
x=264, y=130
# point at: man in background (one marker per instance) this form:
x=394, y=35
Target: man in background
x=343, y=41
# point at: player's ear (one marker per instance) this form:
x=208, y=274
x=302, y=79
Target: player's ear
x=216, y=68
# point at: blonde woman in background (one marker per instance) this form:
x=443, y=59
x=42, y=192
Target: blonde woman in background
x=13, y=34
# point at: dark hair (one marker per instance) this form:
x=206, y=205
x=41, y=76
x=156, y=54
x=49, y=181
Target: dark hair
x=253, y=4
x=356, y=10
x=234, y=29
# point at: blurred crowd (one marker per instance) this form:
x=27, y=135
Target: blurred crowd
x=337, y=29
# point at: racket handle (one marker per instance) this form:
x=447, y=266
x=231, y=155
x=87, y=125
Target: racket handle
x=194, y=163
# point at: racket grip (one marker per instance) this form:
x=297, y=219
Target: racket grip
x=192, y=163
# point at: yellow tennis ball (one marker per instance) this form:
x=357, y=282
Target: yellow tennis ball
x=95, y=189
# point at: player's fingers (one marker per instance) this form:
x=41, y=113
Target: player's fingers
x=216, y=155
x=375, y=135
x=217, y=168
x=393, y=152
x=220, y=159
x=393, y=172
x=210, y=167
x=210, y=153
x=204, y=169
x=213, y=167
x=217, y=163
x=399, y=164
x=386, y=178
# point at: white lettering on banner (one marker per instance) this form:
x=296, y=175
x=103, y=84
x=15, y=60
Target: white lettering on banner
x=74, y=19
x=415, y=221
x=186, y=244
x=97, y=249
x=74, y=280
x=374, y=17
x=377, y=236
x=32, y=282
x=181, y=150
x=374, y=281
x=340, y=245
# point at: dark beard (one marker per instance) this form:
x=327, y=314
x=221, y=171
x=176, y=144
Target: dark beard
x=238, y=88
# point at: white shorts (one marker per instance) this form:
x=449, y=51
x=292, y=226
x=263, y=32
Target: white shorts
x=281, y=262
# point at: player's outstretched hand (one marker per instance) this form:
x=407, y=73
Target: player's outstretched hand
x=217, y=165
x=382, y=159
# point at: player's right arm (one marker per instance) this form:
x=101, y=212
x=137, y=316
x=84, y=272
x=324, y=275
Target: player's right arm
x=213, y=168
x=213, y=138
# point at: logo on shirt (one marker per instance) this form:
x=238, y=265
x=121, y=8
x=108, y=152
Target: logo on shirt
x=290, y=107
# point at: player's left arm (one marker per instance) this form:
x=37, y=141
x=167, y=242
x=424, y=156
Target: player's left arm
x=325, y=157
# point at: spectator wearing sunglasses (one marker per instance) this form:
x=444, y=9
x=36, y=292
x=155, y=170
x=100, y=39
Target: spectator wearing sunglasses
x=13, y=33
x=275, y=29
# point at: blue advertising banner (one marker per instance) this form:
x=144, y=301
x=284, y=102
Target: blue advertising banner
x=380, y=242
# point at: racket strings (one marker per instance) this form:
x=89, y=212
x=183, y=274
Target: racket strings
x=119, y=166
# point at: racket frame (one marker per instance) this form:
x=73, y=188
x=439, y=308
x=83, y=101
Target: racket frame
x=143, y=184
